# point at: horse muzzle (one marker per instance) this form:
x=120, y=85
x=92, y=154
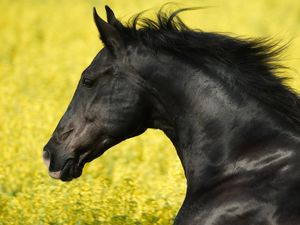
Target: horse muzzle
x=68, y=170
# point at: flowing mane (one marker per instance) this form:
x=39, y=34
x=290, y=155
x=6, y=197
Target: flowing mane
x=251, y=64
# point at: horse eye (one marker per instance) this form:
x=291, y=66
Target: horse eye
x=87, y=82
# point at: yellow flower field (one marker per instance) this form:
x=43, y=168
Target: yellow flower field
x=44, y=47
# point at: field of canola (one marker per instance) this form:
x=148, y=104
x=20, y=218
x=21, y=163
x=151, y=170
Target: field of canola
x=44, y=47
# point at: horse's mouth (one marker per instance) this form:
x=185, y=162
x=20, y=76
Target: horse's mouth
x=73, y=166
x=70, y=170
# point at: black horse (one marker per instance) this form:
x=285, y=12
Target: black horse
x=235, y=125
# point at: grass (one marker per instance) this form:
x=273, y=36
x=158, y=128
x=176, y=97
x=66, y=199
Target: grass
x=45, y=45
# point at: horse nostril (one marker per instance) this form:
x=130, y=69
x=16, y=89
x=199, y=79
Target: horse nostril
x=66, y=134
x=90, y=119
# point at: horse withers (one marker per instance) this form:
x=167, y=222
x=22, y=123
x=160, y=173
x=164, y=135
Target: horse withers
x=234, y=124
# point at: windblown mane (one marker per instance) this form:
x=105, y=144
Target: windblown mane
x=251, y=63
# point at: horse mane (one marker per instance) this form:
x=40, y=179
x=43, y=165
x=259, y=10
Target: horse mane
x=252, y=64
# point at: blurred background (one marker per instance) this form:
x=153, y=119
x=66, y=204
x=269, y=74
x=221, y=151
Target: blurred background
x=44, y=47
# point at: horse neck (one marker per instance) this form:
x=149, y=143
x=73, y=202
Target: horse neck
x=208, y=126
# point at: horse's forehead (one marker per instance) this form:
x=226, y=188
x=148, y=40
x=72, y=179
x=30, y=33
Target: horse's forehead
x=102, y=59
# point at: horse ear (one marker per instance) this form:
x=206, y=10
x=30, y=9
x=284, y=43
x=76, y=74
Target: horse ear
x=108, y=33
x=111, y=19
